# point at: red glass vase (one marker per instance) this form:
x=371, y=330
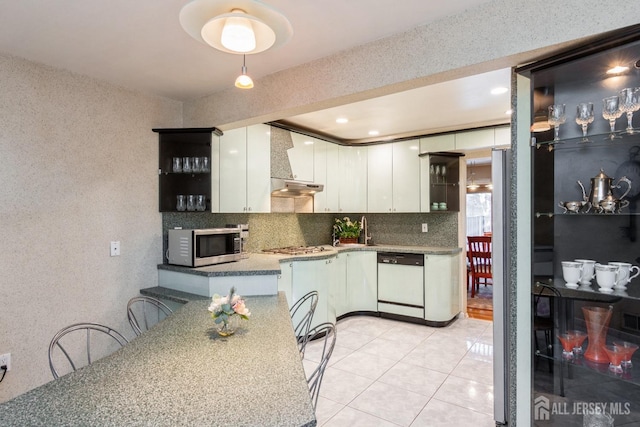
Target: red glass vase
x=597, y=320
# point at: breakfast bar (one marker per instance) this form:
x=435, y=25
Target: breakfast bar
x=181, y=373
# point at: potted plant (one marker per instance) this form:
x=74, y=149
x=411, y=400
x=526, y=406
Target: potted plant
x=347, y=231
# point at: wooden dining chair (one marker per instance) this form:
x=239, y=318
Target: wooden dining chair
x=479, y=254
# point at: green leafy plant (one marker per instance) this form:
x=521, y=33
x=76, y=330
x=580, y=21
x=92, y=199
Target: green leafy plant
x=346, y=228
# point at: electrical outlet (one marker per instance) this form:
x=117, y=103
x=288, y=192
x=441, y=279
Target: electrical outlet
x=5, y=360
x=425, y=227
x=115, y=248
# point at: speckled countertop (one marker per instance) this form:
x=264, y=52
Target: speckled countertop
x=181, y=373
x=260, y=264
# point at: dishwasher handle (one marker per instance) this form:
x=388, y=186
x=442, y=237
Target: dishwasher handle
x=398, y=258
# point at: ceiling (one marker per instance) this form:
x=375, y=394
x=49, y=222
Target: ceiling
x=140, y=45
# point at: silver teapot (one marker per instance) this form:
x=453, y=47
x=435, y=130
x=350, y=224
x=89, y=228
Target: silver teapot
x=601, y=189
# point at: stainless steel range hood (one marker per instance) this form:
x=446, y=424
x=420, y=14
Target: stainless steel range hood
x=289, y=188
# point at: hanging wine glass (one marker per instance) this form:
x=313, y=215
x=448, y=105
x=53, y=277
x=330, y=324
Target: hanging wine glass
x=556, y=118
x=584, y=116
x=628, y=103
x=611, y=111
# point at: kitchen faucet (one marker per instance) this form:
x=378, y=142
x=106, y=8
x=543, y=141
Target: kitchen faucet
x=364, y=228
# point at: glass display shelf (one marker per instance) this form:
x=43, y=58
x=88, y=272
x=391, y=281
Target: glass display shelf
x=584, y=214
x=579, y=364
x=596, y=139
x=589, y=292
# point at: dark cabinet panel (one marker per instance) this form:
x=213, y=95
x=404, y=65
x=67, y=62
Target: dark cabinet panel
x=185, y=169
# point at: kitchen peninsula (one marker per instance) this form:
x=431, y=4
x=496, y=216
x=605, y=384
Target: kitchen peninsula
x=181, y=373
x=346, y=278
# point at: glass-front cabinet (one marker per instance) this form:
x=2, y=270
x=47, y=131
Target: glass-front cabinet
x=185, y=166
x=585, y=291
x=440, y=182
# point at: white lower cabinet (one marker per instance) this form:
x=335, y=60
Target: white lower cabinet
x=301, y=277
x=362, y=281
x=441, y=287
x=339, y=284
x=348, y=283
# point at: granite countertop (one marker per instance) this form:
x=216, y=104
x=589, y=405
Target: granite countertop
x=181, y=373
x=261, y=264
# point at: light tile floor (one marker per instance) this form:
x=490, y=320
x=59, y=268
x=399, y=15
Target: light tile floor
x=389, y=373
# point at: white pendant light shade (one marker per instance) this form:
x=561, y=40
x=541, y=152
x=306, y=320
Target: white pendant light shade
x=235, y=26
x=237, y=33
x=244, y=81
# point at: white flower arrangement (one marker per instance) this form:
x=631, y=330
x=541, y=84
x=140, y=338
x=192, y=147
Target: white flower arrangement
x=223, y=308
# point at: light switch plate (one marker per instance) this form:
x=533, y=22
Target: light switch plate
x=425, y=227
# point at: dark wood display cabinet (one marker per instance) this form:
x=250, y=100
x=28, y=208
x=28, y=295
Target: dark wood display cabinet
x=444, y=181
x=185, y=169
x=575, y=225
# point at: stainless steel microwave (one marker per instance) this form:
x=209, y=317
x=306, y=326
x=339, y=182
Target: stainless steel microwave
x=195, y=248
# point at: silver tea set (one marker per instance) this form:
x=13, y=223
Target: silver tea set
x=600, y=197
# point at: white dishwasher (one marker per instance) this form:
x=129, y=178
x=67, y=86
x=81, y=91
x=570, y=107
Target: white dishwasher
x=401, y=284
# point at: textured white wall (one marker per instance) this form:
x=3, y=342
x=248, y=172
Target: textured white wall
x=495, y=35
x=78, y=168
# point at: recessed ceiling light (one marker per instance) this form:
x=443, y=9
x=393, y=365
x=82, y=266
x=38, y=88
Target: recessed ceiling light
x=499, y=90
x=342, y=120
x=618, y=69
x=374, y=133
x=413, y=147
x=308, y=142
x=509, y=112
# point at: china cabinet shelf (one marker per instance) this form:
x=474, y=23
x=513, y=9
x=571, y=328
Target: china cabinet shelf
x=580, y=366
x=598, y=139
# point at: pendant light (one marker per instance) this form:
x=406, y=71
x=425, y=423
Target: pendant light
x=235, y=26
x=244, y=81
x=472, y=185
x=237, y=33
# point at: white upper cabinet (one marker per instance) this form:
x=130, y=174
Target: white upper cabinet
x=394, y=177
x=326, y=172
x=380, y=178
x=259, y=168
x=503, y=137
x=245, y=169
x=352, y=167
x=432, y=144
x=301, y=157
x=233, y=170
x=475, y=139
x=406, y=176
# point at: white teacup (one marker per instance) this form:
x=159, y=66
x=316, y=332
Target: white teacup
x=625, y=271
x=606, y=276
x=571, y=272
x=588, y=271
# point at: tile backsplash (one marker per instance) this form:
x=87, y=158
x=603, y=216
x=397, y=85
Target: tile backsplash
x=271, y=230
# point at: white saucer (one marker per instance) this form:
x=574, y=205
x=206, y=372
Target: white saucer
x=606, y=290
x=620, y=288
x=571, y=285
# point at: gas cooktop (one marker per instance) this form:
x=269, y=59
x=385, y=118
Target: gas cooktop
x=295, y=250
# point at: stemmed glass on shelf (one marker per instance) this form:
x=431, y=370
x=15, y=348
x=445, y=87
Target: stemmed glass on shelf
x=611, y=111
x=584, y=116
x=628, y=103
x=556, y=118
